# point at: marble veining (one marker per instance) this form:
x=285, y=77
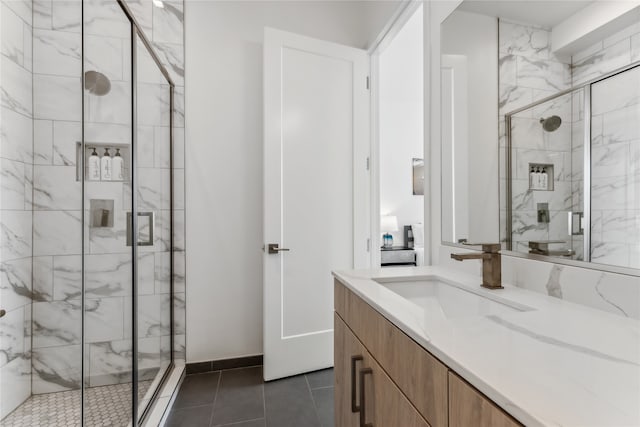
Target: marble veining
x=56, y=369
x=554, y=288
x=560, y=343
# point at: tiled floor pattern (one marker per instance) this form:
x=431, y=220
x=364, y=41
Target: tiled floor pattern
x=240, y=398
x=105, y=406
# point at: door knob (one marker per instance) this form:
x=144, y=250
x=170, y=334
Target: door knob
x=274, y=249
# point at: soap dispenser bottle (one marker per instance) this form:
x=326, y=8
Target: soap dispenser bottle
x=117, y=164
x=544, y=179
x=532, y=178
x=105, y=166
x=538, y=179
x=94, y=166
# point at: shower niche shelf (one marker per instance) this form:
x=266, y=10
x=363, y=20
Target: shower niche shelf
x=534, y=184
x=100, y=147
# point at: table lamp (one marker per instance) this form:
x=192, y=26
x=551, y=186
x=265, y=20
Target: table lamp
x=388, y=223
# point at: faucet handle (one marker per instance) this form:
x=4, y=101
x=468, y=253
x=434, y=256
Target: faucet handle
x=491, y=248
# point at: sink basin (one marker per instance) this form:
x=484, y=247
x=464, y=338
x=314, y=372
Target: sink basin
x=452, y=300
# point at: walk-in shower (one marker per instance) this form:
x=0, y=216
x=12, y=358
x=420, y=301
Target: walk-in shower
x=89, y=253
x=588, y=148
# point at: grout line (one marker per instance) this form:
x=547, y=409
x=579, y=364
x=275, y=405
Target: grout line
x=239, y=422
x=313, y=401
x=215, y=398
x=321, y=388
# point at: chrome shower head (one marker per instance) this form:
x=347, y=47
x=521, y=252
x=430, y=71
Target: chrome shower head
x=551, y=124
x=96, y=83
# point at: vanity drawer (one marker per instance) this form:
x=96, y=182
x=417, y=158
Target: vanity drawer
x=420, y=376
x=467, y=406
x=364, y=383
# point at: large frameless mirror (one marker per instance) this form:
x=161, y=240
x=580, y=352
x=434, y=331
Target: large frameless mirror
x=546, y=123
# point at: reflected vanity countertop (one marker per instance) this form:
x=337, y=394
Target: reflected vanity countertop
x=556, y=364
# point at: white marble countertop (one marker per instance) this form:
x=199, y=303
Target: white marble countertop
x=559, y=364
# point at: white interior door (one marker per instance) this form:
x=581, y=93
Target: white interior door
x=316, y=192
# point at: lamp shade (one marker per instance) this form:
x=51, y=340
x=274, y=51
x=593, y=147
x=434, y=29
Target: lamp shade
x=388, y=223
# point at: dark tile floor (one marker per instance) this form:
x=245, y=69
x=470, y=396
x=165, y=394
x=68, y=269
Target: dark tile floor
x=240, y=398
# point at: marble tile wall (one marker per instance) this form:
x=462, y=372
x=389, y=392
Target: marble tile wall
x=57, y=202
x=607, y=55
x=16, y=178
x=615, y=151
x=615, y=170
x=615, y=293
x=164, y=27
x=529, y=71
x=58, y=196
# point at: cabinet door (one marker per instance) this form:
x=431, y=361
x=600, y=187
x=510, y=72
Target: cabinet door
x=401, y=357
x=380, y=401
x=467, y=406
x=346, y=346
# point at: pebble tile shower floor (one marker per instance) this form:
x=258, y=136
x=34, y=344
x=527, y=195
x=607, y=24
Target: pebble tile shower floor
x=108, y=405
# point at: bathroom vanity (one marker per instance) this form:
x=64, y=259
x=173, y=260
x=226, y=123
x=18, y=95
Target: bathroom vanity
x=428, y=347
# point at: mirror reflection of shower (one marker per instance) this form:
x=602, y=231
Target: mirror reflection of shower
x=96, y=83
x=551, y=124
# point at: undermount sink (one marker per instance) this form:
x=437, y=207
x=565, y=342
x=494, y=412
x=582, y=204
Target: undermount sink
x=452, y=300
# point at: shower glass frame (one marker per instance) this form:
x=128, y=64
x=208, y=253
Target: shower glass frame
x=136, y=35
x=586, y=88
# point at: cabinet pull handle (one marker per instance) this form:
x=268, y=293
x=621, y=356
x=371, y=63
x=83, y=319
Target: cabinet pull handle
x=363, y=399
x=354, y=407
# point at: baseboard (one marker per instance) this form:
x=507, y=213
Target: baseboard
x=219, y=365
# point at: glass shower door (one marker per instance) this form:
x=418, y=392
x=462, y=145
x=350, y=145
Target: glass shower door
x=153, y=203
x=615, y=170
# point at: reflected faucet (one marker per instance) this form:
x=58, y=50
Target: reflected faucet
x=491, y=263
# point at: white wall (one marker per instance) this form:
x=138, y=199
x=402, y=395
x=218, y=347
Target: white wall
x=401, y=123
x=475, y=37
x=224, y=156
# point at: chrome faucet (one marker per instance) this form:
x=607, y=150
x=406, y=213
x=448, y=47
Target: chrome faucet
x=491, y=264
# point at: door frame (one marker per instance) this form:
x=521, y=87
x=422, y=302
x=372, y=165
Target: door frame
x=398, y=20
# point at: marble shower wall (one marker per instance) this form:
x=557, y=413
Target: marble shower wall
x=164, y=27
x=529, y=71
x=16, y=178
x=614, y=150
x=615, y=170
x=615, y=136
x=57, y=221
x=57, y=204
x=607, y=55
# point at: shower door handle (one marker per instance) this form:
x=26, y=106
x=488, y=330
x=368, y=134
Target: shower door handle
x=577, y=228
x=151, y=220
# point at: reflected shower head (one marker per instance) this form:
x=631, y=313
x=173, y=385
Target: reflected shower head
x=96, y=83
x=551, y=124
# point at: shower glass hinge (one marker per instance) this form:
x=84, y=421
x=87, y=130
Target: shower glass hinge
x=367, y=82
x=368, y=163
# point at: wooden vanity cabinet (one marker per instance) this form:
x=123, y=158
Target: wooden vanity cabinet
x=404, y=385
x=364, y=393
x=469, y=407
